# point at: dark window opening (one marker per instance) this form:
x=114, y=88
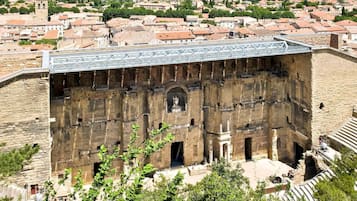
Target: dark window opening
x=247, y=126
x=218, y=104
x=192, y=122
x=60, y=176
x=260, y=97
x=80, y=120
x=35, y=145
x=96, y=168
x=117, y=143
x=34, y=189
x=287, y=120
x=321, y=106
x=160, y=125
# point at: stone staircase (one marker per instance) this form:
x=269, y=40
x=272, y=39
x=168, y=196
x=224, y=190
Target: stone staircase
x=347, y=134
x=306, y=189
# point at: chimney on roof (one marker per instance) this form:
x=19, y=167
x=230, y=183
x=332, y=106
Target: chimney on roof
x=335, y=41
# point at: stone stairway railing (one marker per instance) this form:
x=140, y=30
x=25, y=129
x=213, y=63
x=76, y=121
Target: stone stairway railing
x=347, y=135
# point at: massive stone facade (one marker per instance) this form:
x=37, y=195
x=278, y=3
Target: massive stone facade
x=237, y=109
x=334, y=90
x=216, y=109
x=24, y=119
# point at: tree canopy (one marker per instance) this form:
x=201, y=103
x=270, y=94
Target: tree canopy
x=340, y=187
x=252, y=11
x=13, y=161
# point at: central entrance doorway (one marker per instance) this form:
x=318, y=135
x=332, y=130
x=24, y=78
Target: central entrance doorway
x=248, y=148
x=176, y=154
x=298, y=153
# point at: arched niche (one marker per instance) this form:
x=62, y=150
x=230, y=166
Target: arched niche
x=176, y=100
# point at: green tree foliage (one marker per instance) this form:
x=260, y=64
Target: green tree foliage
x=14, y=10
x=6, y=199
x=211, y=22
x=129, y=186
x=113, y=12
x=225, y=184
x=340, y=187
x=53, y=8
x=187, y=4
x=13, y=161
x=347, y=15
x=24, y=10
x=299, y=5
x=309, y=3
x=3, y=10
x=47, y=41
x=166, y=190
x=252, y=11
x=25, y=42
x=4, y=2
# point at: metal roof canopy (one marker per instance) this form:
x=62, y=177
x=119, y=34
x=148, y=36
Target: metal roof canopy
x=165, y=55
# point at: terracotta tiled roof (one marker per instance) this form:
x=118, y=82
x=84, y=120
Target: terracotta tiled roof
x=220, y=30
x=336, y=28
x=217, y=36
x=346, y=23
x=299, y=31
x=322, y=15
x=244, y=31
x=201, y=31
x=117, y=22
x=54, y=23
x=280, y=27
x=52, y=34
x=16, y=22
x=319, y=28
x=167, y=19
x=82, y=22
x=63, y=17
x=302, y=24
x=174, y=35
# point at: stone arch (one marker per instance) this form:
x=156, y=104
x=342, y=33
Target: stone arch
x=176, y=100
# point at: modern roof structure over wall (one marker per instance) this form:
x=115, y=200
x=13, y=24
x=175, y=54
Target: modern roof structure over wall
x=103, y=59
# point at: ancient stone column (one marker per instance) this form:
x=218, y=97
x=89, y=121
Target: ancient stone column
x=210, y=152
x=274, y=145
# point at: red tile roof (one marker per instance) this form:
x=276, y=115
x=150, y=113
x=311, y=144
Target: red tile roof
x=322, y=15
x=174, y=35
x=15, y=22
x=52, y=34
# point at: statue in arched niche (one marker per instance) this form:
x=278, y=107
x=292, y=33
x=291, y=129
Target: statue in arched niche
x=176, y=100
x=175, y=104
